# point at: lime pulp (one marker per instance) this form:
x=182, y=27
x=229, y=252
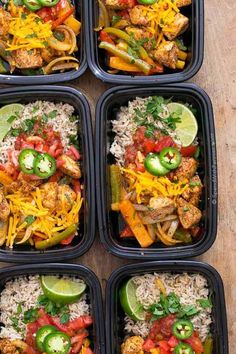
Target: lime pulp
x=129, y=302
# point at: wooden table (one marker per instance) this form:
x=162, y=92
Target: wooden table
x=218, y=78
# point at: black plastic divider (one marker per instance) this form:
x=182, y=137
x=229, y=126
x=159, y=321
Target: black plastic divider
x=115, y=314
x=194, y=37
x=86, y=232
x=110, y=223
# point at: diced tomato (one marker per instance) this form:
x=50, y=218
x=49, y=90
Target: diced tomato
x=140, y=167
x=104, y=37
x=67, y=241
x=164, y=142
x=80, y=322
x=31, y=329
x=63, y=328
x=148, y=344
x=130, y=154
x=164, y=345
x=195, y=342
x=155, y=330
x=56, y=177
x=173, y=342
x=75, y=152
x=76, y=186
x=188, y=151
x=13, y=157
x=77, y=341
x=130, y=3
x=127, y=232
x=163, y=351
x=139, y=136
x=124, y=14
x=148, y=145
x=43, y=319
x=59, y=162
x=30, y=350
x=46, y=14
x=166, y=324
x=195, y=231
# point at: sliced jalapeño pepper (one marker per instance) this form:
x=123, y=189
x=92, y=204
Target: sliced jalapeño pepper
x=26, y=160
x=57, y=343
x=153, y=165
x=170, y=158
x=182, y=329
x=48, y=3
x=147, y=2
x=32, y=5
x=42, y=333
x=44, y=165
x=183, y=348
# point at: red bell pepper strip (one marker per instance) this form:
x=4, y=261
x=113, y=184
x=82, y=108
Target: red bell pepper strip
x=61, y=19
x=104, y=37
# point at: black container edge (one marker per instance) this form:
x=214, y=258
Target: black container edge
x=103, y=231
x=63, y=254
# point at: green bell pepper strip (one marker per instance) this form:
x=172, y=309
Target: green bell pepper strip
x=123, y=35
x=48, y=3
x=56, y=238
x=32, y=5
x=111, y=48
x=115, y=180
x=42, y=333
x=153, y=165
x=170, y=158
x=26, y=160
x=197, y=153
x=44, y=165
x=57, y=343
x=182, y=329
x=183, y=235
x=147, y=2
x=183, y=348
x=208, y=345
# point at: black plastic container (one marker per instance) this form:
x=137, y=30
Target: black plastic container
x=193, y=37
x=115, y=314
x=9, y=79
x=110, y=222
x=93, y=291
x=86, y=231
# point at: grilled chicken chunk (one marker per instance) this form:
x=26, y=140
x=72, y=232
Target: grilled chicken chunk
x=161, y=206
x=66, y=197
x=50, y=192
x=23, y=184
x=142, y=34
x=193, y=193
x=70, y=167
x=138, y=16
x=189, y=215
x=5, y=18
x=6, y=347
x=4, y=207
x=181, y=3
x=187, y=168
x=25, y=59
x=132, y=345
x=120, y=4
x=177, y=27
x=167, y=54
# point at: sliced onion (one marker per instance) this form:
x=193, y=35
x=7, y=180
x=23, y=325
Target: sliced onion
x=166, y=225
x=147, y=220
x=65, y=66
x=57, y=45
x=173, y=227
x=48, y=68
x=140, y=207
x=26, y=236
x=152, y=231
x=72, y=35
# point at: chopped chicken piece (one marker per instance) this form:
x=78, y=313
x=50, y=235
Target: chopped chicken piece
x=120, y=4
x=50, y=192
x=4, y=207
x=5, y=18
x=6, y=347
x=167, y=54
x=189, y=215
x=138, y=15
x=133, y=345
x=142, y=34
x=3, y=232
x=187, y=168
x=159, y=208
x=23, y=184
x=181, y=3
x=193, y=193
x=177, y=27
x=66, y=197
x=27, y=59
x=70, y=167
x=48, y=54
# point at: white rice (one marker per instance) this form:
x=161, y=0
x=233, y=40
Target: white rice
x=189, y=288
x=25, y=291
x=60, y=123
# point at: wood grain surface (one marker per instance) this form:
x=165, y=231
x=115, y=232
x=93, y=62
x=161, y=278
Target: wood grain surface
x=218, y=77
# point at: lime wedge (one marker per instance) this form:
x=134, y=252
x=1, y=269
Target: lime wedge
x=129, y=302
x=64, y=291
x=8, y=114
x=187, y=129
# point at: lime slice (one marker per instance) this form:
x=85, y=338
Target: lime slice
x=187, y=129
x=8, y=114
x=129, y=302
x=64, y=291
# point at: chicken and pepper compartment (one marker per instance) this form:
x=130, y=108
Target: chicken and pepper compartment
x=155, y=185
x=38, y=37
x=45, y=314
x=41, y=185
x=166, y=313
x=143, y=37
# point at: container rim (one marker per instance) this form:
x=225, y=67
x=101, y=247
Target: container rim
x=147, y=80
x=90, y=278
x=171, y=253
x=76, y=251
x=177, y=266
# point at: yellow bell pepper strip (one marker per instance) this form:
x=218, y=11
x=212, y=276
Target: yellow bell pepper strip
x=180, y=64
x=5, y=179
x=119, y=64
x=159, y=284
x=208, y=345
x=111, y=48
x=182, y=55
x=115, y=180
x=56, y=238
x=74, y=24
x=135, y=223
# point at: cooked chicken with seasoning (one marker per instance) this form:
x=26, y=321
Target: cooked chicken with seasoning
x=177, y=27
x=4, y=206
x=187, y=168
x=25, y=59
x=5, y=18
x=133, y=345
x=138, y=15
x=193, y=193
x=160, y=207
x=23, y=185
x=119, y=4
x=66, y=197
x=49, y=195
x=167, y=54
x=181, y=3
x=6, y=347
x=70, y=167
x=189, y=215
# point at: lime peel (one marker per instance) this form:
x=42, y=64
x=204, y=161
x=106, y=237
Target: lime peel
x=7, y=112
x=129, y=302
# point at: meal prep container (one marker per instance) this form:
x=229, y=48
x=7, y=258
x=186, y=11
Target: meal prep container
x=193, y=38
x=59, y=77
x=86, y=232
x=115, y=314
x=110, y=222
x=93, y=291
